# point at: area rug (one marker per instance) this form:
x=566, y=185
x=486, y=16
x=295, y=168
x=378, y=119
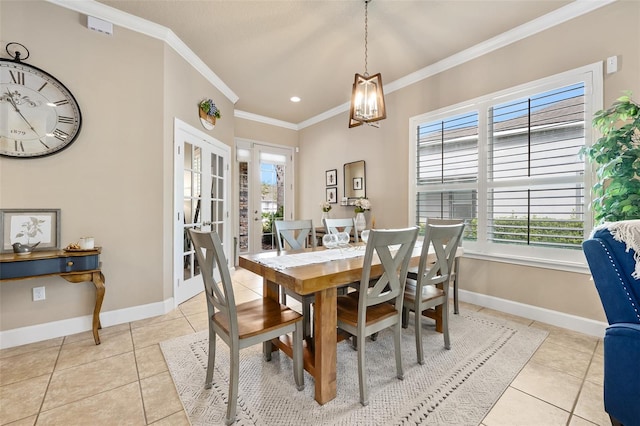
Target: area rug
x=453, y=387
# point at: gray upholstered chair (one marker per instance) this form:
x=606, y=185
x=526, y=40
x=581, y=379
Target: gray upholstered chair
x=296, y=235
x=431, y=288
x=242, y=325
x=333, y=226
x=363, y=313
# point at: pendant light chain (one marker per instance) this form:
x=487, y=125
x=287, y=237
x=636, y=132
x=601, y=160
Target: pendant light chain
x=366, y=26
x=367, y=96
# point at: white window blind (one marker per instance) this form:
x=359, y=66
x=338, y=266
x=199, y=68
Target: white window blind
x=448, y=150
x=509, y=164
x=534, y=149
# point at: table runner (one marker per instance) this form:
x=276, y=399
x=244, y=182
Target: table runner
x=310, y=257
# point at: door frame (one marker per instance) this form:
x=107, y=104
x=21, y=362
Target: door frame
x=185, y=132
x=254, y=147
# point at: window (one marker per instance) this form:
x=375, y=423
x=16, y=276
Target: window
x=509, y=164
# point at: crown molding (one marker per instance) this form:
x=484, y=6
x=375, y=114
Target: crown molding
x=266, y=120
x=550, y=20
x=151, y=29
x=134, y=23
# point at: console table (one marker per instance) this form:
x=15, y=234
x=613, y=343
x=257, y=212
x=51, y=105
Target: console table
x=73, y=266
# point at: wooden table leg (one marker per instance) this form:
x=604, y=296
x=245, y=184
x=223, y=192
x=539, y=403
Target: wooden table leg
x=98, y=280
x=270, y=290
x=325, y=335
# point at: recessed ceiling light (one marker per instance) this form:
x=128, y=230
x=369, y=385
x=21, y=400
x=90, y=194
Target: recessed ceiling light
x=295, y=99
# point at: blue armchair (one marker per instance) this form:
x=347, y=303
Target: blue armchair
x=611, y=267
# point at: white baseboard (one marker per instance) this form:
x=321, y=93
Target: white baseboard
x=559, y=319
x=51, y=330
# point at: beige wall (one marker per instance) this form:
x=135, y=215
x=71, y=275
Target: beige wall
x=184, y=88
x=260, y=132
x=611, y=30
x=115, y=181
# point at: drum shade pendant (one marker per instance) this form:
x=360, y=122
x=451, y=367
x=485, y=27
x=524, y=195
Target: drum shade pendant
x=367, y=97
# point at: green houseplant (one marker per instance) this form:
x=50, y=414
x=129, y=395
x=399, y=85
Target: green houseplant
x=616, y=155
x=209, y=107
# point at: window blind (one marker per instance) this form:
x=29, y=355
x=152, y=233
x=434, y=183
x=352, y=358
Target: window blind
x=546, y=216
x=535, y=172
x=538, y=136
x=447, y=150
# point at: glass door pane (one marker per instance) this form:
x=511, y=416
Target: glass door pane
x=271, y=201
x=192, y=205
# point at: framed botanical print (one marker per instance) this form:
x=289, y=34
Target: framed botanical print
x=332, y=195
x=357, y=183
x=331, y=177
x=30, y=226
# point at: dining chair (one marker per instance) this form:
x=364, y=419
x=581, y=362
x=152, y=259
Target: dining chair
x=363, y=313
x=333, y=226
x=431, y=288
x=240, y=325
x=296, y=235
x=454, y=273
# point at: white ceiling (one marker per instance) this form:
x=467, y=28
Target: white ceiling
x=267, y=51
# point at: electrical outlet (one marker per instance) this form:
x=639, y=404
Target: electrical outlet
x=38, y=294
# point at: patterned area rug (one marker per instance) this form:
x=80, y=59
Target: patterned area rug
x=453, y=387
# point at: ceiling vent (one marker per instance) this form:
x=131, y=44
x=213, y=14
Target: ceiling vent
x=99, y=25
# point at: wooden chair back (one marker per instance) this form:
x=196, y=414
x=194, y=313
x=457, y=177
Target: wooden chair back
x=444, y=240
x=333, y=226
x=394, y=248
x=297, y=234
x=210, y=254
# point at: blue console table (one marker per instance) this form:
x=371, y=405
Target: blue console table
x=73, y=266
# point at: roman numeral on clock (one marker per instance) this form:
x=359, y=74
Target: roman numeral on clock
x=60, y=103
x=65, y=120
x=59, y=134
x=17, y=77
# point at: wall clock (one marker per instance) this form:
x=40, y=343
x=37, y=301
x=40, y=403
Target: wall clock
x=39, y=115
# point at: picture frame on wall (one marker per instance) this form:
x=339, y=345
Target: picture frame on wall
x=331, y=177
x=332, y=195
x=30, y=226
x=357, y=183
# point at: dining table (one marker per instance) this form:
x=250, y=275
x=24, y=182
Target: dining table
x=318, y=271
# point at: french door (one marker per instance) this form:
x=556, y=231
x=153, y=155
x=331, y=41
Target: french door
x=265, y=193
x=201, y=202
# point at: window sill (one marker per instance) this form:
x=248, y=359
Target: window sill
x=556, y=264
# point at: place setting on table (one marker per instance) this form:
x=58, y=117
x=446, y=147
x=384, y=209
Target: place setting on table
x=334, y=247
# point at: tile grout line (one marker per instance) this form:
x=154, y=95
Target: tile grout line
x=584, y=379
x=135, y=357
x=46, y=390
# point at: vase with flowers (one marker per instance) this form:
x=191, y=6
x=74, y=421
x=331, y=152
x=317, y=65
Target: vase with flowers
x=361, y=205
x=326, y=208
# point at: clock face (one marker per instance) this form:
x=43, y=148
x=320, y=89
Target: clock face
x=38, y=115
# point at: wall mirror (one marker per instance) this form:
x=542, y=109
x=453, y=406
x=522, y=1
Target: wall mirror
x=355, y=181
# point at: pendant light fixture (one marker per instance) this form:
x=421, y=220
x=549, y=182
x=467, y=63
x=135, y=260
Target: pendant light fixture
x=367, y=98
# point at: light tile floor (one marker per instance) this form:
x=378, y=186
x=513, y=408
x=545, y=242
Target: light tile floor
x=125, y=381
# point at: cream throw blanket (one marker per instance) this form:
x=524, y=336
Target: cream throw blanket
x=628, y=232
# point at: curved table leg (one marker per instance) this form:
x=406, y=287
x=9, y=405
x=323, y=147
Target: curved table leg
x=98, y=280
